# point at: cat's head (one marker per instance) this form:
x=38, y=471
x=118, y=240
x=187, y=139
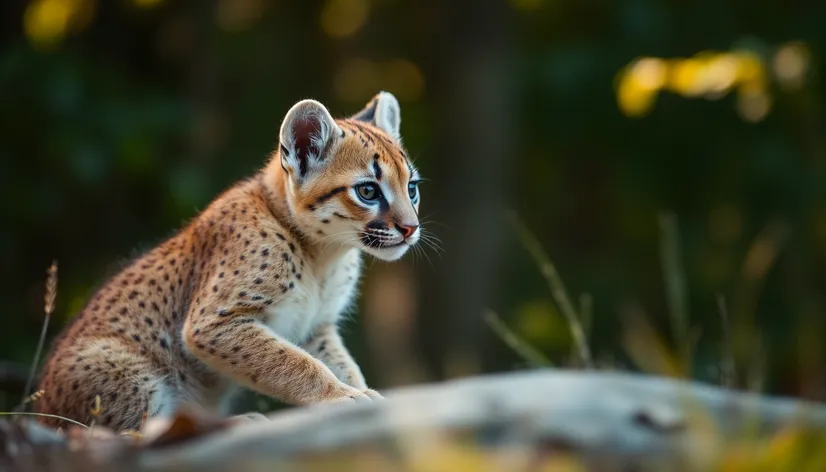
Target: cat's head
x=349, y=182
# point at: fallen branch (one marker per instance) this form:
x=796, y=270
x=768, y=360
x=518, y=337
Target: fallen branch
x=605, y=421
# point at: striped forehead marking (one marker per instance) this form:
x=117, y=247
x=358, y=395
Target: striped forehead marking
x=368, y=135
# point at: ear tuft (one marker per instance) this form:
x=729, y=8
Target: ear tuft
x=383, y=111
x=305, y=135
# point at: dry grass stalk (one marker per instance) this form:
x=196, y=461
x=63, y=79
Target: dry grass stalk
x=49, y=303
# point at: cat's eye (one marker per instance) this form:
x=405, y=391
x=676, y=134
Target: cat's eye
x=413, y=190
x=368, y=192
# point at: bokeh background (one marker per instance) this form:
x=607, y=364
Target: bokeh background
x=668, y=156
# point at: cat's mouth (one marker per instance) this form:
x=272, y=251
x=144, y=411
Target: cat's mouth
x=375, y=241
x=385, y=247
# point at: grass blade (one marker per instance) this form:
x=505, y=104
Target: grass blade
x=45, y=415
x=674, y=280
x=728, y=371
x=523, y=349
x=644, y=346
x=557, y=288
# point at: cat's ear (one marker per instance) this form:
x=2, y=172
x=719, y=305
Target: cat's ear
x=383, y=112
x=306, y=134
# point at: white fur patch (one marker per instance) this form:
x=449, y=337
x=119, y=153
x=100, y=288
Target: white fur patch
x=164, y=401
x=319, y=298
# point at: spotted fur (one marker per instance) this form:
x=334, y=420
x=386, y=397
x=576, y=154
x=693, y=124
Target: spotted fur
x=251, y=291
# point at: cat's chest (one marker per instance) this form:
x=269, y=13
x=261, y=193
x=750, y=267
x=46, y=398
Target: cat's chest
x=319, y=297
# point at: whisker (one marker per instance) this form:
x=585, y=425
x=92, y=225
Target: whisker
x=432, y=241
x=421, y=250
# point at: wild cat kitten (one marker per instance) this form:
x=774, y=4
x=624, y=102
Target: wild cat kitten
x=249, y=293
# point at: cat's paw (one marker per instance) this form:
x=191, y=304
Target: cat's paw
x=347, y=394
x=372, y=394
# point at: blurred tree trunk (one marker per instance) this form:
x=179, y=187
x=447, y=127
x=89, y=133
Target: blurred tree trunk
x=471, y=118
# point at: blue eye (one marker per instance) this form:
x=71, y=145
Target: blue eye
x=368, y=192
x=413, y=190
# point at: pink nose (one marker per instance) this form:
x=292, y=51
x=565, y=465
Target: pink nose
x=407, y=230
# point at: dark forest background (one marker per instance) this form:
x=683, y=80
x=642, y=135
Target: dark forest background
x=668, y=155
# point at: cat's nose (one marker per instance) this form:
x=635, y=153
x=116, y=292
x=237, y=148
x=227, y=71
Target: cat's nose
x=407, y=230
